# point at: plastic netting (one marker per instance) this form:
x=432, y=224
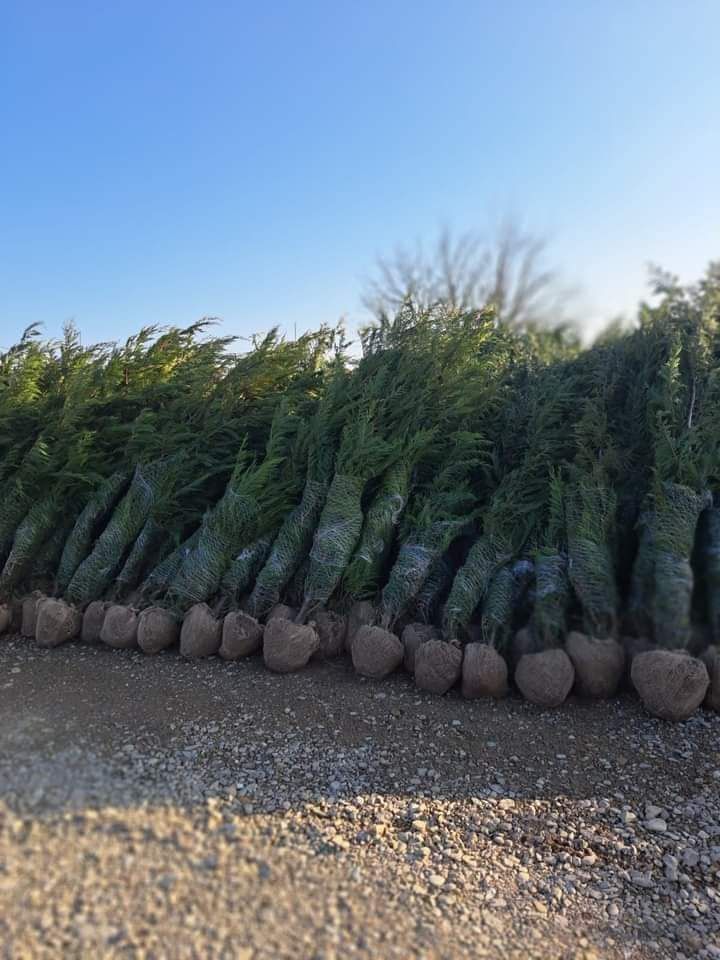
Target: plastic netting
x=672, y=600
x=471, y=582
x=13, y=510
x=47, y=559
x=366, y=567
x=497, y=608
x=335, y=538
x=710, y=562
x=32, y=533
x=95, y=512
x=231, y=522
x=552, y=598
x=94, y=575
x=295, y=591
x=592, y=575
x=162, y=575
x=241, y=573
x=288, y=551
x=143, y=555
x=438, y=580
x=677, y=510
x=412, y=567
x=642, y=578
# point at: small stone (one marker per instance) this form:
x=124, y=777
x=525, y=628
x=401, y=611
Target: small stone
x=436, y=880
x=656, y=824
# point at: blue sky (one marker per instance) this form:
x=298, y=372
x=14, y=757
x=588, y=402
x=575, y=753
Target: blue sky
x=165, y=161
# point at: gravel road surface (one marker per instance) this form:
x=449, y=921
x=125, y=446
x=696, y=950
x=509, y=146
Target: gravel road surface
x=151, y=807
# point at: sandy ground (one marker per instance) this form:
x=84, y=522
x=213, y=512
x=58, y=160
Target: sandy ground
x=151, y=807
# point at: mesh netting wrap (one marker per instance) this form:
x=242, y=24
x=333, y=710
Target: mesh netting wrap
x=506, y=588
x=552, y=598
x=32, y=533
x=470, y=584
x=412, y=567
x=335, y=538
x=231, y=521
x=95, y=512
x=95, y=573
x=46, y=561
x=144, y=553
x=160, y=578
x=677, y=511
x=290, y=548
x=672, y=600
x=244, y=568
x=295, y=590
x=13, y=510
x=497, y=608
x=642, y=578
x=365, y=569
x=428, y=596
x=710, y=560
x=592, y=575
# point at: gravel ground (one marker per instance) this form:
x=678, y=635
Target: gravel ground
x=151, y=807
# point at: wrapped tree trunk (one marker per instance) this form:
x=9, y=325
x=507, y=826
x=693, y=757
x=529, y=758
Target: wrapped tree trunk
x=87, y=526
x=30, y=536
x=337, y=533
x=677, y=511
x=288, y=551
x=95, y=574
x=412, y=567
x=366, y=567
x=710, y=560
x=552, y=599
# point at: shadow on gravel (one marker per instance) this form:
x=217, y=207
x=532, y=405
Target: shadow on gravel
x=91, y=725
x=335, y=783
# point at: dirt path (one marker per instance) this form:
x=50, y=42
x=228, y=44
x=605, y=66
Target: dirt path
x=151, y=807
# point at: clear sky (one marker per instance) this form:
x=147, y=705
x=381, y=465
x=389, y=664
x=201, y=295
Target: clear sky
x=164, y=161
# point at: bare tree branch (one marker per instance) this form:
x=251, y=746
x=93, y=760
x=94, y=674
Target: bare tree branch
x=466, y=272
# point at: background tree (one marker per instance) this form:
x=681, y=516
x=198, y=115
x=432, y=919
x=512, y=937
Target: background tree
x=506, y=269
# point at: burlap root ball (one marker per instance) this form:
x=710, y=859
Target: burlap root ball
x=242, y=635
x=200, y=632
x=545, y=678
x=670, y=683
x=281, y=611
x=362, y=614
x=330, y=628
x=412, y=636
x=157, y=629
x=484, y=672
x=376, y=652
x=57, y=622
x=287, y=646
x=92, y=621
x=599, y=665
x=120, y=626
x=30, y=613
x=437, y=666
x=711, y=659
